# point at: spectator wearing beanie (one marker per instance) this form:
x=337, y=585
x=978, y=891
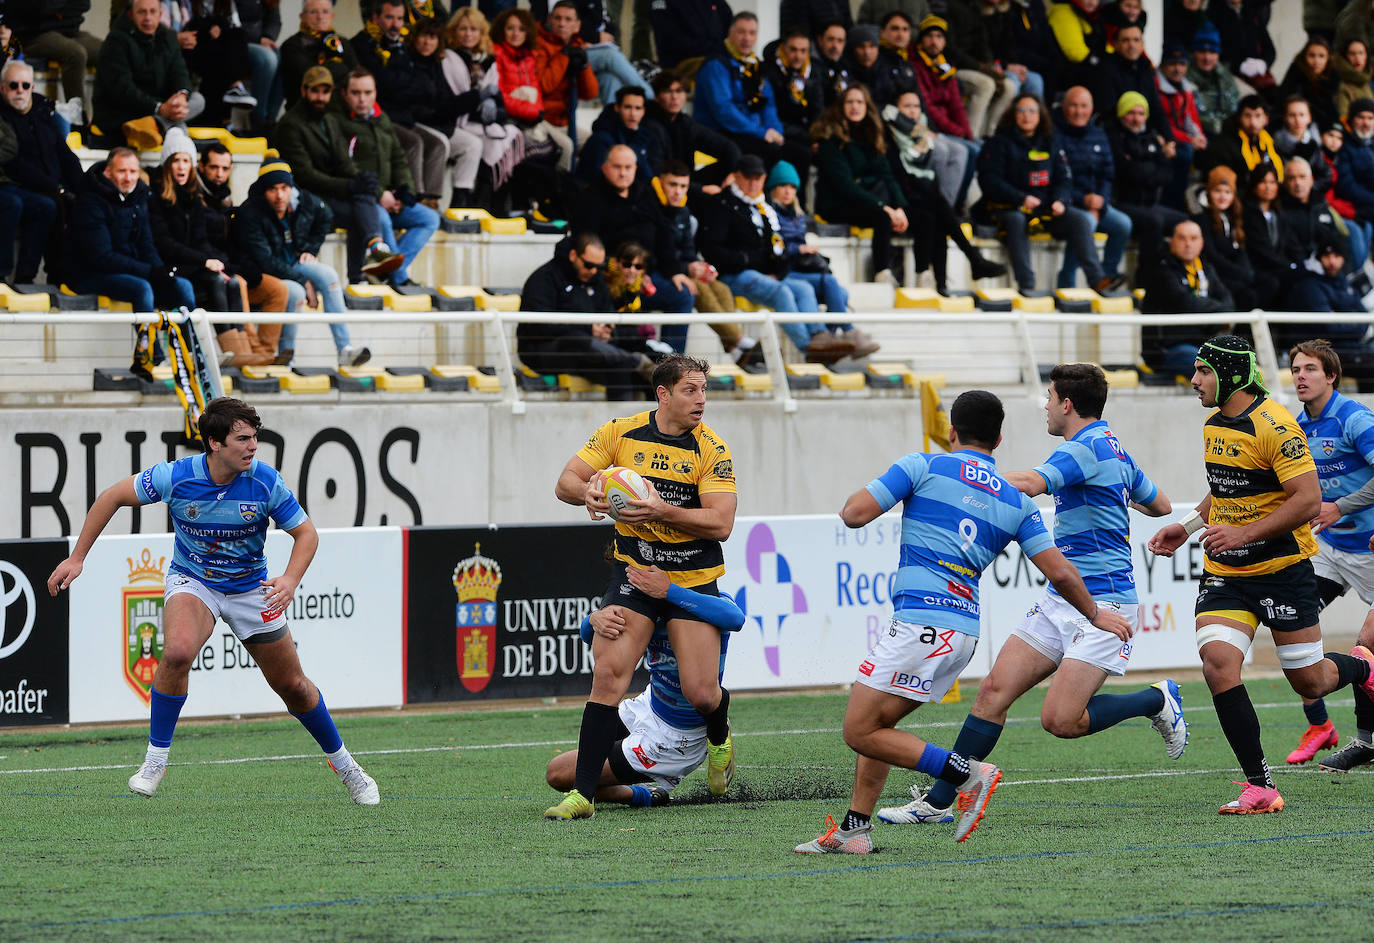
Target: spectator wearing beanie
x=1218, y=95
x=1355, y=161
x=1223, y=236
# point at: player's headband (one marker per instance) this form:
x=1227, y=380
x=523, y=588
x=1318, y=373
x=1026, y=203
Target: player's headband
x=1235, y=369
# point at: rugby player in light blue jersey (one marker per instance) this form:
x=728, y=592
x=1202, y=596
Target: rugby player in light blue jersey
x=1340, y=436
x=221, y=503
x=958, y=514
x=661, y=737
x=1094, y=483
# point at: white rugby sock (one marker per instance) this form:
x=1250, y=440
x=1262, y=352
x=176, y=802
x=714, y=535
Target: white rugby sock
x=341, y=759
x=157, y=754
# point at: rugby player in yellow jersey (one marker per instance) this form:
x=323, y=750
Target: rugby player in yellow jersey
x=679, y=529
x=1258, y=541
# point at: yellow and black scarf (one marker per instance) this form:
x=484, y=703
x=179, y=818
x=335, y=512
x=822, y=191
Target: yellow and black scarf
x=750, y=76
x=332, y=43
x=764, y=218
x=1262, y=150
x=385, y=44
x=663, y=195
x=939, y=65
x=902, y=51
x=796, y=79
x=419, y=10
x=1197, y=278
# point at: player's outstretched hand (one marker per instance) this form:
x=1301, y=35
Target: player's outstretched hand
x=68, y=570
x=652, y=581
x=278, y=592
x=595, y=498
x=652, y=508
x=1169, y=538
x=1328, y=515
x=1114, y=622
x=608, y=622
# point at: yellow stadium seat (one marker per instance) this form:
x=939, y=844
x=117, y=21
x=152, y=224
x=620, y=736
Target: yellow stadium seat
x=702, y=159
x=575, y=384
x=744, y=304
x=505, y=226
x=268, y=370
x=1122, y=379
x=929, y=299
x=828, y=378
x=109, y=304
x=295, y=383
x=22, y=301
x=391, y=298
x=1018, y=301
x=391, y=383
x=477, y=380
x=233, y=142
x=749, y=382
x=893, y=370
x=1117, y=304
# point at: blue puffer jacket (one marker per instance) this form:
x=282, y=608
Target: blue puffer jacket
x=109, y=233
x=1012, y=166
x=1089, y=154
x=1355, y=175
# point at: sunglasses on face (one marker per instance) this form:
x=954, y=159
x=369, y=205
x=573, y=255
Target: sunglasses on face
x=632, y=263
x=590, y=266
x=16, y=86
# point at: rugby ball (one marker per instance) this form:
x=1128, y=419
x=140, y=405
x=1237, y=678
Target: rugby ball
x=622, y=485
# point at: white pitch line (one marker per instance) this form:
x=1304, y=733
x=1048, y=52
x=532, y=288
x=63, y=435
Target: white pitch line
x=553, y=743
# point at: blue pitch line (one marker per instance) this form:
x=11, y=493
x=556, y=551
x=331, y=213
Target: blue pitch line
x=696, y=879
x=1080, y=924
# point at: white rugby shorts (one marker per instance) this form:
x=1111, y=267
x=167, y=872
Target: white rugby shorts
x=664, y=753
x=917, y=662
x=1352, y=570
x=1058, y=631
x=246, y=614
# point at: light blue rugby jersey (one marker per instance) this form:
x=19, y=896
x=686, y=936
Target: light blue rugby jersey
x=220, y=529
x=665, y=685
x=1341, y=440
x=958, y=515
x=1093, y=481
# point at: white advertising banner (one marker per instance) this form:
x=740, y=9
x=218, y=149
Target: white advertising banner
x=345, y=620
x=816, y=596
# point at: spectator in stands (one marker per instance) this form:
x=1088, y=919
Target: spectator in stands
x=1178, y=98
x=1298, y=138
x=377, y=149
x=814, y=15
x=1081, y=38
x=687, y=31
x=44, y=177
x=1355, y=161
x=1327, y=289
x=260, y=21
x=52, y=30
x=986, y=89
x=1143, y=170
x=912, y=153
x=265, y=292
x=142, y=75
x=565, y=78
x=316, y=44
x=734, y=97
x=805, y=261
x=855, y=184
x=863, y=57
x=312, y=139
x=571, y=282
x=109, y=241
x=627, y=282
x=621, y=201
x=436, y=117
x=1269, y=240
x=599, y=33
x=1246, y=47
x=216, y=52
x=1312, y=75
x=1355, y=21
x=1310, y=221
x=797, y=87
x=944, y=106
x=622, y=123
x=1181, y=281
x=1025, y=177
x=893, y=73
x=23, y=215
x=178, y=219
x=682, y=137
x=832, y=63
x=1020, y=39
x=1089, y=153
x=1218, y=95
x=712, y=295
x=742, y=237
x=1182, y=20
x=1356, y=73
x=402, y=88
x=280, y=229
x=1333, y=139
x=1128, y=69
x=1244, y=142
x=1223, y=236
x=471, y=74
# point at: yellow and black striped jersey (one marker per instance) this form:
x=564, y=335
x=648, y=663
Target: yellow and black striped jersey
x=1249, y=457
x=682, y=468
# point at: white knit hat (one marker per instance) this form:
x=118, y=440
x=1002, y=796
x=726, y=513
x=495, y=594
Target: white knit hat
x=177, y=141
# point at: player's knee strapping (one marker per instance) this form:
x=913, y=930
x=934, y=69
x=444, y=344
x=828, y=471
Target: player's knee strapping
x=1299, y=654
x=1216, y=632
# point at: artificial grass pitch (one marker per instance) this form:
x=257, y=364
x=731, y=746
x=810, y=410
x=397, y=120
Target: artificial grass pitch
x=251, y=836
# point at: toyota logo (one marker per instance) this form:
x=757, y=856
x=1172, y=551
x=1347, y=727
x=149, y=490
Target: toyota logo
x=13, y=584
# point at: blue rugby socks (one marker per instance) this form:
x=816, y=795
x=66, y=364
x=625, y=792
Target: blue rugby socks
x=166, y=708
x=977, y=738
x=1108, y=710
x=1316, y=712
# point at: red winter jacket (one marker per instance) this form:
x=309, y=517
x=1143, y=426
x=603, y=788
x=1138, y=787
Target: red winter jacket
x=552, y=66
x=1180, y=108
x=944, y=105
x=516, y=68
x=1342, y=206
